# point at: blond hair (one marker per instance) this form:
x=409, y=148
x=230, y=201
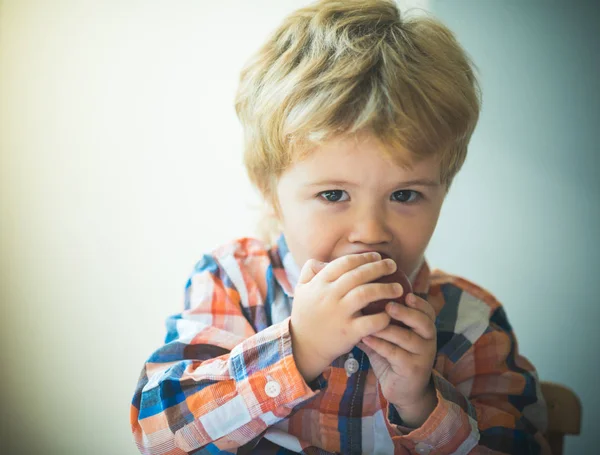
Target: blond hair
x=346, y=66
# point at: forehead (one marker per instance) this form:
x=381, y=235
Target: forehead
x=362, y=156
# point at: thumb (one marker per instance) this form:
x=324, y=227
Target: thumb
x=310, y=269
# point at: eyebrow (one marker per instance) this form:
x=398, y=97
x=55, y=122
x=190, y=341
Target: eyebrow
x=415, y=182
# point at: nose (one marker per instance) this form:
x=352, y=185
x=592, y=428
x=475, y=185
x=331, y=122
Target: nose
x=370, y=227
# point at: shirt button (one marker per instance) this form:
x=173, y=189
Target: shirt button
x=423, y=449
x=351, y=365
x=272, y=389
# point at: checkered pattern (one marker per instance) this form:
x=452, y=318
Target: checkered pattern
x=203, y=391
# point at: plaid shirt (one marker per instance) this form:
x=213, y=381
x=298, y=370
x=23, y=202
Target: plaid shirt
x=225, y=380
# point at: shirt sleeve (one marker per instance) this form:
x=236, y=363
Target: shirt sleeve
x=489, y=401
x=215, y=383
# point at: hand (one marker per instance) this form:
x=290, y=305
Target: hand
x=402, y=359
x=326, y=317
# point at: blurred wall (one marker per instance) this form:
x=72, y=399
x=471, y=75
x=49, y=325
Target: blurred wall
x=523, y=218
x=120, y=165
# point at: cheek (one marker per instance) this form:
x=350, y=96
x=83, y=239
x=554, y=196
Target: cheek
x=301, y=223
x=414, y=239
x=422, y=235
x=310, y=236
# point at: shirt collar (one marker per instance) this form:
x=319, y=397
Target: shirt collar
x=287, y=272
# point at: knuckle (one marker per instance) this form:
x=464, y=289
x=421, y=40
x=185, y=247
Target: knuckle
x=425, y=320
x=387, y=318
x=388, y=265
x=431, y=313
x=348, y=260
x=366, y=326
x=390, y=349
x=395, y=288
x=431, y=334
x=409, y=336
x=310, y=263
x=355, y=275
x=379, y=292
x=362, y=293
x=368, y=257
x=382, y=321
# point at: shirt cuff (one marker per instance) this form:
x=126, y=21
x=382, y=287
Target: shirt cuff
x=450, y=428
x=266, y=374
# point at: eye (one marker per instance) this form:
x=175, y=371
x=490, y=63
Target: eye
x=333, y=195
x=406, y=196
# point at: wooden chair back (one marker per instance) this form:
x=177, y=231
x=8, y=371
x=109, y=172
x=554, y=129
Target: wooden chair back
x=564, y=414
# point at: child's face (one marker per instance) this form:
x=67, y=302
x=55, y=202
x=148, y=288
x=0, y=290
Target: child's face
x=346, y=197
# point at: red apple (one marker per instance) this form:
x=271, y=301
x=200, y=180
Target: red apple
x=379, y=306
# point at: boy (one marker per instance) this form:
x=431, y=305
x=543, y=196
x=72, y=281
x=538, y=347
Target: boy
x=356, y=122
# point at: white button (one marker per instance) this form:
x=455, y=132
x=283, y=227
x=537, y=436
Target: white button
x=272, y=389
x=422, y=449
x=351, y=365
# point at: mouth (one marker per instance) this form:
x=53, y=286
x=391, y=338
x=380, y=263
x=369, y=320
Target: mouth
x=383, y=255
x=386, y=256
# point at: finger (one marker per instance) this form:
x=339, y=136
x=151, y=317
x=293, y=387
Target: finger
x=414, y=319
x=366, y=325
x=336, y=268
x=407, y=339
x=310, y=269
x=418, y=303
x=361, y=296
x=364, y=348
x=364, y=273
x=394, y=354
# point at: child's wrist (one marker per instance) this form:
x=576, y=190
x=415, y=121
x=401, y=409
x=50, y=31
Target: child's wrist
x=309, y=364
x=307, y=369
x=416, y=414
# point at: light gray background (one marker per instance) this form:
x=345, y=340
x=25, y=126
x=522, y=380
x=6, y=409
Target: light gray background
x=524, y=217
x=120, y=165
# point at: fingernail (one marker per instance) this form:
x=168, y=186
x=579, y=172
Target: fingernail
x=375, y=256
